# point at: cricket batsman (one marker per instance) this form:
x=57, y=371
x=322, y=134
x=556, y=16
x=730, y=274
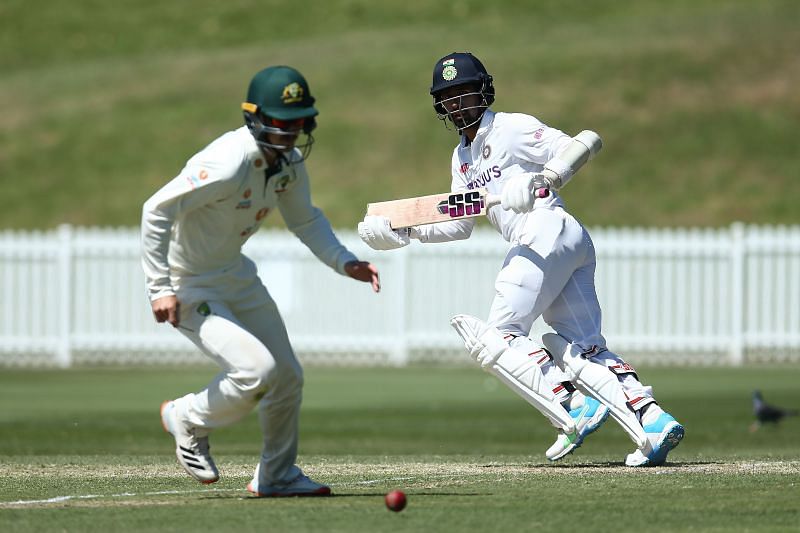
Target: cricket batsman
x=198, y=280
x=571, y=376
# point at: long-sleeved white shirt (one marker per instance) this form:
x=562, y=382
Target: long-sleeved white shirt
x=194, y=227
x=505, y=144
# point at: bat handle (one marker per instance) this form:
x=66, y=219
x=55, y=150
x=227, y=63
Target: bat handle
x=494, y=199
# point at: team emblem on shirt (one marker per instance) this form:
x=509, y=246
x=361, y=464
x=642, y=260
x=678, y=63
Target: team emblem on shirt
x=292, y=93
x=487, y=151
x=282, y=184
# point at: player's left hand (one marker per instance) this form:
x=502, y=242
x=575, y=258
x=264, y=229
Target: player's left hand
x=521, y=191
x=377, y=232
x=364, y=271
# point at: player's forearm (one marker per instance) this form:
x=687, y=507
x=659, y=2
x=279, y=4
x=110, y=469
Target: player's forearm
x=560, y=169
x=453, y=230
x=155, y=236
x=316, y=233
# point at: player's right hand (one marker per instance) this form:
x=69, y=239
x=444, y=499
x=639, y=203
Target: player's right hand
x=167, y=309
x=521, y=191
x=377, y=232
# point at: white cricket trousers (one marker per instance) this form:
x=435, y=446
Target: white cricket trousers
x=259, y=367
x=552, y=275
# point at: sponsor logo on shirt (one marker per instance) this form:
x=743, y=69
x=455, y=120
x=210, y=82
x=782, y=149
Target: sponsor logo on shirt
x=538, y=133
x=464, y=168
x=194, y=181
x=485, y=177
x=246, y=203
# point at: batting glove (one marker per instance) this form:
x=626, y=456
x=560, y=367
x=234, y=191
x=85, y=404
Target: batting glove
x=377, y=232
x=520, y=192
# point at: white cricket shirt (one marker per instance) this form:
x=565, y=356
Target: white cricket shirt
x=194, y=227
x=505, y=144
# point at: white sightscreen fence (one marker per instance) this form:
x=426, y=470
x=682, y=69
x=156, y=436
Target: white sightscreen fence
x=669, y=296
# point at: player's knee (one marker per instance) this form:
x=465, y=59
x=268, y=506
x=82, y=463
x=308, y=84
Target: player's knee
x=286, y=387
x=616, y=364
x=534, y=350
x=256, y=377
x=291, y=377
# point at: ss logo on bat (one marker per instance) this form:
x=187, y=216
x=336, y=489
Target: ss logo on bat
x=459, y=204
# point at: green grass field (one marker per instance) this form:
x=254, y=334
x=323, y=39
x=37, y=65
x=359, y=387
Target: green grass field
x=102, y=103
x=83, y=450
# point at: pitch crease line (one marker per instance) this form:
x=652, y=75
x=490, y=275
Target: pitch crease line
x=58, y=499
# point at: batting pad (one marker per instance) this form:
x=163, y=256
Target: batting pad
x=596, y=381
x=515, y=368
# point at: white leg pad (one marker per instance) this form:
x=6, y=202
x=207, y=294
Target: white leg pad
x=597, y=381
x=513, y=367
x=523, y=375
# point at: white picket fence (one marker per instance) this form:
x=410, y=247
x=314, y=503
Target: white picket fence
x=669, y=296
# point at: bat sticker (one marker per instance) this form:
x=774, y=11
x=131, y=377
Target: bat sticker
x=460, y=204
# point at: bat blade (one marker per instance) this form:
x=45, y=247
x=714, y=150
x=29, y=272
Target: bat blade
x=433, y=208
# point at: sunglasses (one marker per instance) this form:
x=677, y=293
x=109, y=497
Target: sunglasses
x=294, y=124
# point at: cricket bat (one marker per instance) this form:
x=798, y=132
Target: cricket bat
x=474, y=203
x=438, y=207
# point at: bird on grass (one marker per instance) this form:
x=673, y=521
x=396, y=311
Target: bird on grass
x=766, y=413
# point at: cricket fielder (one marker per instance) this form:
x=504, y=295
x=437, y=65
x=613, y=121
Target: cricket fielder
x=571, y=377
x=198, y=280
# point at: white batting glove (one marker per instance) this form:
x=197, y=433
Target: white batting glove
x=483, y=342
x=520, y=192
x=379, y=235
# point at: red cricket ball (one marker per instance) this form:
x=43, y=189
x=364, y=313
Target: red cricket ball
x=396, y=500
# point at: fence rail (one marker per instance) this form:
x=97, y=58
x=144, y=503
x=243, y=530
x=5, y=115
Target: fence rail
x=669, y=296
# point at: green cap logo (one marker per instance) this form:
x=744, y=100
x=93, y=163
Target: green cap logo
x=449, y=73
x=292, y=93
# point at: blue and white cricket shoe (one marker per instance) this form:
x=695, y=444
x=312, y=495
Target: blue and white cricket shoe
x=588, y=417
x=663, y=435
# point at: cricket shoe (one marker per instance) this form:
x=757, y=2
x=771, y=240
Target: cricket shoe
x=192, y=452
x=302, y=485
x=589, y=415
x=663, y=435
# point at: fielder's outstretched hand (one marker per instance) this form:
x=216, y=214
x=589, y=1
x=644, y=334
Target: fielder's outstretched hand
x=364, y=271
